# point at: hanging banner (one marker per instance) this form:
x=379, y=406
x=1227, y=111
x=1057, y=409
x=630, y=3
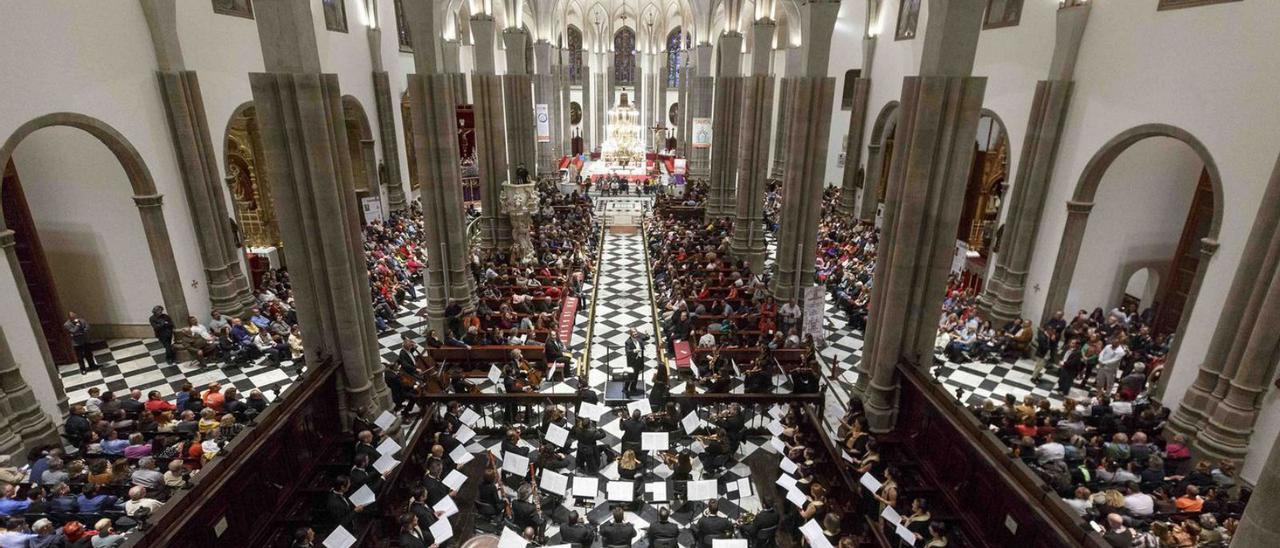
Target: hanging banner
x=814, y=309
x=701, y=133
x=544, y=123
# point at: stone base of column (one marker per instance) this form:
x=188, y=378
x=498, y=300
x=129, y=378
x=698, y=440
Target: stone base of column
x=229, y=291
x=24, y=419
x=1260, y=524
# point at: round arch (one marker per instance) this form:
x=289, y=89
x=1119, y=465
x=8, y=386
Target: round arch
x=1081, y=204
x=364, y=161
x=885, y=124
x=150, y=208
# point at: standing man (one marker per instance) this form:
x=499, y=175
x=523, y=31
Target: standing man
x=635, y=359
x=162, y=325
x=79, y=330
x=790, y=314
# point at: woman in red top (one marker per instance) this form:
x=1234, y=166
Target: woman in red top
x=156, y=404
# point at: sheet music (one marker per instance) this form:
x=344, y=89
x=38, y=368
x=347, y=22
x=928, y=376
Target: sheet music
x=469, y=417
x=657, y=490
x=813, y=533
x=385, y=420
x=788, y=465
x=591, y=411
x=690, y=422
x=796, y=497
x=786, y=482
x=777, y=445
x=621, y=491
x=495, y=374
x=388, y=447
x=554, y=482
x=642, y=405
x=363, y=496
x=455, y=480
x=460, y=455
x=776, y=428
x=906, y=534
x=891, y=515
x=446, y=505
x=511, y=539
x=585, y=486
x=557, y=434
x=464, y=434
x=516, y=463
x=441, y=531
x=654, y=441
x=697, y=447
x=385, y=464
x=339, y=538
x=776, y=411
x=704, y=490
x=870, y=482
x=744, y=487
x=729, y=543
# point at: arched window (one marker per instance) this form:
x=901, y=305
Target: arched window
x=673, y=57
x=575, y=54
x=624, y=56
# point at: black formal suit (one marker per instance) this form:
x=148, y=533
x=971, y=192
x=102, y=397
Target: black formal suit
x=588, y=449
x=417, y=538
x=663, y=532
x=711, y=527
x=337, y=510
x=367, y=449
x=436, y=490
x=365, y=476
x=426, y=515
x=617, y=534
x=524, y=514
x=578, y=534
x=764, y=520
x=635, y=360
x=631, y=434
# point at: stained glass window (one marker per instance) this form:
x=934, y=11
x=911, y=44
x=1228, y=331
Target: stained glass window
x=673, y=58
x=575, y=54
x=624, y=56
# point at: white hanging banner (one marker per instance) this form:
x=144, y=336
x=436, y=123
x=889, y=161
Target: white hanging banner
x=814, y=308
x=701, y=133
x=544, y=123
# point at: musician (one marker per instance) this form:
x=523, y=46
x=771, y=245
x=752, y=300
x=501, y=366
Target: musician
x=551, y=459
x=628, y=465
x=525, y=513
x=453, y=416
x=438, y=455
x=555, y=352
x=490, y=493
x=412, y=535
x=732, y=421
x=632, y=429
x=364, y=444
x=720, y=381
x=664, y=533
x=575, y=533
x=759, y=379
x=766, y=518
x=434, y=484
x=362, y=474
x=418, y=507
x=635, y=359
x=396, y=385
x=681, y=466
x=513, y=383
x=407, y=359
x=711, y=525
x=458, y=382
x=587, y=436
x=804, y=381
x=337, y=509
x=512, y=443
x=617, y=532
x=716, y=454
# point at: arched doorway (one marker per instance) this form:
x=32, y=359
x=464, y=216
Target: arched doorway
x=364, y=161
x=879, y=157
x=1141, y=288
x=1152, y=195
x=984, y=196
x=129, y=298
x=250, y=188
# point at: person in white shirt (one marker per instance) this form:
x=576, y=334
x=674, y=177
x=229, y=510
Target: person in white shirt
x=199, y=330
x=1109, y=364
x=790, y=315
x=1138, y=503
x=707, y=340
x=138, y=500
x=217, y=321
x=1081, y=503
x=1049, y=452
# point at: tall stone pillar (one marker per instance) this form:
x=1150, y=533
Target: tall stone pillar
x=1260, y=524
x=726, y=128
x=433, y=106
x=229, y=290
x=807, y=138
x=517, y=93
x=491, y=131
x=300, y=117
x=1221, y=408
x=151, y=211
x=544, y=95
x=853, y=176
x=938, y=119
x=451, y=56
x=23, y=423
x=390, y=140
x=756, y=113
x=600, y=104
x=792, y=70
x=566, y=129
x=587, y=127
x=682, y=109
x=8, y=245
x=701, y=94
x=1002, y=298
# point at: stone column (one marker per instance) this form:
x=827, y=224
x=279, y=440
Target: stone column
x=300, y=117
x=853, y=174
x=682, y=108
x=938, y=119
x=588, y=106
x=1068, y=252
x=517, y=93
x=1002, y=298
x=370, y=159
x=726, y=128
x=1260, y=524
x=23, y=422
x=229, y=290
x=433, y=106
x=8, y=244
x=390, y=140
x=1221, y=408
x=544, y=94
x=151, y=209
x=869, y=204
x=600, y=104
x=566, y=129
x=792, y=70
x=451, y=56
x=491, y=131
x=701, y=93
x=756, y=114
x=806, y=149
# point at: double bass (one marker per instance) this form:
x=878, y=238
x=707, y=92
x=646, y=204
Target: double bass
x=431, y=375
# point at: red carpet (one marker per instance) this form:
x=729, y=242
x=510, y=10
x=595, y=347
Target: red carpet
x=568, y=313
x=684, y=354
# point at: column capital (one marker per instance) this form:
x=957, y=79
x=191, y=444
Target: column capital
x=1208, y=246
x=1079, y=208
x=148, y=201
x=7, y=238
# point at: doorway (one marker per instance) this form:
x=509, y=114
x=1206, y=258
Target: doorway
x=35, y=267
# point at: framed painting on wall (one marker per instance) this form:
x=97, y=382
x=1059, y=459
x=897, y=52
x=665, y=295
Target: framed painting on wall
x=908, y=19
x=1002, y=13
x=1177, y=4
x=238, y=8
x=335, y=15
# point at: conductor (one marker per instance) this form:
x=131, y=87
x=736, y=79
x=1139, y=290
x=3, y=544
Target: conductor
x=635, y=360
